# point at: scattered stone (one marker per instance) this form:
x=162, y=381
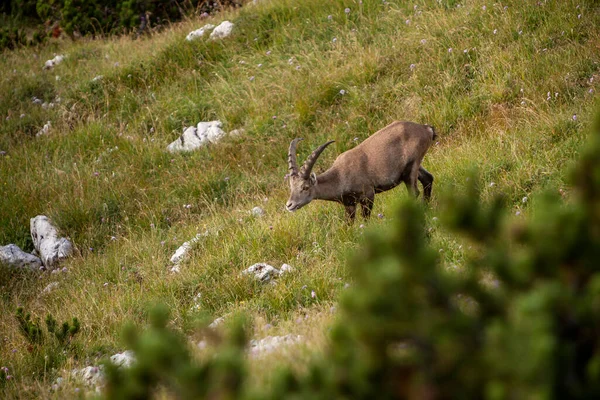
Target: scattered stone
x=124, y=359
x=286, y=269
x=90, y=376
x=263, y=272
x=11, y=255
x=198, y=33
x=258, y=212
x=54, y=62
x=270, y=343
x=45, y=129
x=195, y=137
x=50, y=287
x=51, y=248
x=183, y=251
x=216, y=323
x=222, y=30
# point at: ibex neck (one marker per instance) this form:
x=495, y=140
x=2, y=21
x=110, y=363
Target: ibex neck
x=328, y=186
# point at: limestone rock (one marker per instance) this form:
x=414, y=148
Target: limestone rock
x=53, y=62
x=263, y=272
x=49, y=246
x=222, y=30
x=124, y=359
x=271, y=343
x=183, y=251
x=195, y=137
x=199, y=32
x=12, y=256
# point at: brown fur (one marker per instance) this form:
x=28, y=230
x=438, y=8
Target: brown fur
x=385, y=159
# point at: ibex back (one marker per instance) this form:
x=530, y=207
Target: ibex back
x=385, y=159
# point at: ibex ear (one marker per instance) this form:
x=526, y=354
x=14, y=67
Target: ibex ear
x=313, y=179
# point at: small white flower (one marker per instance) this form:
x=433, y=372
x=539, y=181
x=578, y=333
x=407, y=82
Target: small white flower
x=251, y=78
x=450, y=50
x=407, y=22
x=423, y=41
x=342, y=92
x=313, y=294
x=268, y=53
x=329, y=17
x=523, y=103
x=520, y=32
x=579, y=16
x=524, y=200
x=298, y=68
x=412, y=66
x=347, y=11
x=291, y=60
x=492, y=184
x=495, y=31
x=518, y=213
x=484, y=8
x=334, y=40
x=574, y=117
x=434, y=219
x=465, y=51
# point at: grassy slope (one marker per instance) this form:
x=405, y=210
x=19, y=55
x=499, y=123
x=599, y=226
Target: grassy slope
x=102, y=172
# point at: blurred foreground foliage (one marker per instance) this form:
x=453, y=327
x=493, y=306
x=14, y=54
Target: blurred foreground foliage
x=521, y=320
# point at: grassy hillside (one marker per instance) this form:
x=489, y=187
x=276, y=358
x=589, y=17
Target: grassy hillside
x=511, y=88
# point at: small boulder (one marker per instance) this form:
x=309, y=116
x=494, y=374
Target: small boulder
x=54, y=62
x=183, y=251
x=124, y=359
x=49, y=246
x=271, y=343
x=222, y=30
x=195, y=137
x=45, y=129
x=216, y=323
x=12, y=256
x=263, y=272
x=198, y=33
x=286, y=269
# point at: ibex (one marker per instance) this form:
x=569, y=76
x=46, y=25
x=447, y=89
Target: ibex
x=385, y=159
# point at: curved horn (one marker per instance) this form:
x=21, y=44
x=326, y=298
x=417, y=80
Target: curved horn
x=312, y=159
x=293, y=164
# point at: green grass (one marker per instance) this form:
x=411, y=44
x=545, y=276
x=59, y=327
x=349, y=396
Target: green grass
x=103, y=172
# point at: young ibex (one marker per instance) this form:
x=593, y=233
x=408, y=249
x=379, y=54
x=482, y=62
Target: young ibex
x=384, y=160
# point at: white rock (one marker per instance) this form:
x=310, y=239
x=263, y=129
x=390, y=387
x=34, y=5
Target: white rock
x=11, y=255
x=183, y=251
x=286, y=269
x=222, y=30
x=216, y=323
x=45, y=129
x=263, y=272
x=49, y=246
x=54, y=62
x=124, y=359
x=90, y=376
x=199, y=32
x=271, y=343
x=197, y=136
x=51, y=286
x=258, y=212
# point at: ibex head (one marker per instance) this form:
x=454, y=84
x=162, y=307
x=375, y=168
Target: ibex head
x=303, y=182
